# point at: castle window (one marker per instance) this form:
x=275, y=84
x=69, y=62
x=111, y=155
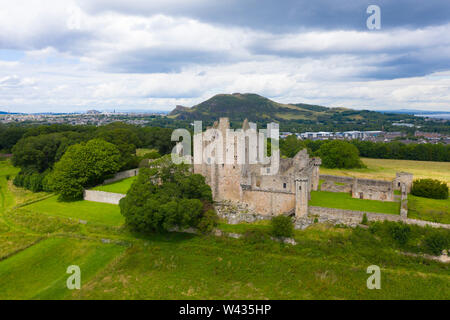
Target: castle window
x=268, y=170
x=284, y=185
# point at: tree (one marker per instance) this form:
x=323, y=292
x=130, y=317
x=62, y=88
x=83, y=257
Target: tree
x=167, y=196
x=84, y=165
x=41, y=152
x=125, y=139
x=430, y=188
x=339, y=154
x=291, y=146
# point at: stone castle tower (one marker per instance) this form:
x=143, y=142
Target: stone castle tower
x=243, y=181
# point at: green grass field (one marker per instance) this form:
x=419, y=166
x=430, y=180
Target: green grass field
x=341, y=200
x=386, y=169
x=121, y=186
x=95, y=212
x=38, y=242
x=39, y=272
x=192, y=267
x=429, y=209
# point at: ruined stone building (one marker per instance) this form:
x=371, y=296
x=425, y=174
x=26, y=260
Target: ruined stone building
x=253, y=185
x=254, y=188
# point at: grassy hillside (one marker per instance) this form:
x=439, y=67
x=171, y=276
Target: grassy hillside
x=39, y=272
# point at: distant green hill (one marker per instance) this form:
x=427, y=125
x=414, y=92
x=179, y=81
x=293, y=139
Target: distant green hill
x=297, y=117
x=238, y=106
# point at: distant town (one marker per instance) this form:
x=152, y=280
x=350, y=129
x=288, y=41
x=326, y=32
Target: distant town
x=374, y=136
x=98, y=118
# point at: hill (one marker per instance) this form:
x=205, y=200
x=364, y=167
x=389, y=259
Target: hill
x=239, y=106
x=259, y=109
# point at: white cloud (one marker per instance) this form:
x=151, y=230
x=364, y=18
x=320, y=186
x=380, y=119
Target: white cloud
x=78, y=57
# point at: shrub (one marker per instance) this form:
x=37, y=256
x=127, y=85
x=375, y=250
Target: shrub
x=255, y=236
x=400, y=232
x=208, y=222
x=30, y=179
x=430, y=188
x=365, y=221
x=282, y=226
x=436, y=242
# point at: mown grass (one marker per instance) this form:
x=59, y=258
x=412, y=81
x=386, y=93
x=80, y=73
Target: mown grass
x=342, y=200
x=121, y=186
x=386, y=169
x=429, y=209
x=39, y=272
x=96, y=212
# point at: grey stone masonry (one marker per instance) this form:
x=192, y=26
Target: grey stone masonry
x=102, y=196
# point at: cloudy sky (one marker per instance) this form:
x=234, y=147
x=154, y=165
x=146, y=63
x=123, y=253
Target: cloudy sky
x=74, y=55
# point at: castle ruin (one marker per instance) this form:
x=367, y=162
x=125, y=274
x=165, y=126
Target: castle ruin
x=252, y=184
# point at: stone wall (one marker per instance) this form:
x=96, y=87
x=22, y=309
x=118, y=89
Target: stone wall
x=360, y=188
x=122, y=175
x=269, y=202
x=373, y=189
x=102, y=196
x=353, y=218
x=237, y=212
x=403, y=178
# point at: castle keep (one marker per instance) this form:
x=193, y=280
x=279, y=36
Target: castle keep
x=253, y=185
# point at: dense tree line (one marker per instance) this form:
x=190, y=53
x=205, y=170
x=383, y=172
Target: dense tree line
x=384, y=150
x=398, y=150
x=39, y=148
x=334, y=153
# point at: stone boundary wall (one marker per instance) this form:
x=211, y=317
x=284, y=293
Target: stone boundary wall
x=122, y=175
x=350, y=217
x=404, y=203
x=102, y=196
x=338, y=179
